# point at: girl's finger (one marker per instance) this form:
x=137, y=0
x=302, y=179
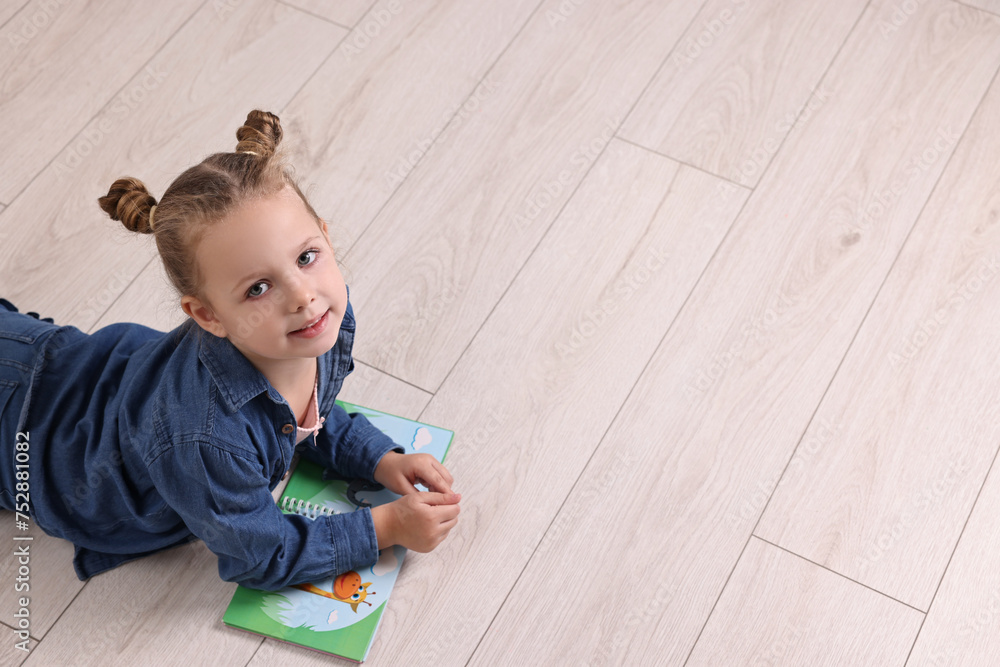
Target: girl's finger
x=442, y=485
x=405, y=486
x=435, y=482
x=447, y=513
x=444, y=472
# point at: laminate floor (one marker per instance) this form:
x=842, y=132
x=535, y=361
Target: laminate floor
x=706, y=289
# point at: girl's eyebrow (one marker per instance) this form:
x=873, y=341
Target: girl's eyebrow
x=298, y=252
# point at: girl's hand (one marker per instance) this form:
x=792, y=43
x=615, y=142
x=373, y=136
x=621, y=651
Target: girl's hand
x=399, y=472
x=418, y=521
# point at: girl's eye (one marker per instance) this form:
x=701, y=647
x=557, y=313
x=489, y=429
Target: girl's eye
x=254, y=292
x=311, y=254
x=305, y=259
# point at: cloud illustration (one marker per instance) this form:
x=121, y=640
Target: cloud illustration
x=387, y=562
x=421, y=439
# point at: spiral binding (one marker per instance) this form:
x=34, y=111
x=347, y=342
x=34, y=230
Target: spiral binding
x=306, y=509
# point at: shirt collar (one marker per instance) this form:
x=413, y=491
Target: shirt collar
x=238, y=380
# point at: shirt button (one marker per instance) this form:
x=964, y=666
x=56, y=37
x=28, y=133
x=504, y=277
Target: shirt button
x=287, y=428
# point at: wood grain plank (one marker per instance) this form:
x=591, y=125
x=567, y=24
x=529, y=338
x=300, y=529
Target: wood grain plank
x=738, y=79
x=343, y=12
x=474, y=208
x=961, y=625
x=60, y=54
x=671, y=495
x=780, y=609
x=207, y=78
x=9, y=10
x=390, y=394
x=387, y=93
x=988, y=5
x=120, y=617
x=884, y=502
x=433, y=55
x=528, y=408
x=147, y=299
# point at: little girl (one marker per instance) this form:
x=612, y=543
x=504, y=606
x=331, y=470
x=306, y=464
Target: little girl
x=138, y=440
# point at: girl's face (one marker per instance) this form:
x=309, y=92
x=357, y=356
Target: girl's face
x=271, y=282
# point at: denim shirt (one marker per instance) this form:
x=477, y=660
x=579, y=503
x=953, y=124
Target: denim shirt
x=142, y=440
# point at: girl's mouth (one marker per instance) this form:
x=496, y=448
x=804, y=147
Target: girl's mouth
x=314, y=330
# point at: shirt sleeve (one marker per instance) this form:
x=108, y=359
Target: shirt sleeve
x=350, y=445
x=224, y=499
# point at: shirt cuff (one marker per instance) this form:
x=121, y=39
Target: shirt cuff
x=355, y=544
x=372, y=453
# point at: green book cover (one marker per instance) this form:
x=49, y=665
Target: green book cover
x=339, y=615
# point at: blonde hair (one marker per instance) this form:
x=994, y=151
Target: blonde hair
x=202, y=195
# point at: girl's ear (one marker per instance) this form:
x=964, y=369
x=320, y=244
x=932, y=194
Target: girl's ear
x=326, y=228
x=203, y=315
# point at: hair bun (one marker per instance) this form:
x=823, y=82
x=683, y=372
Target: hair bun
x=260, y=134
x=129, y=201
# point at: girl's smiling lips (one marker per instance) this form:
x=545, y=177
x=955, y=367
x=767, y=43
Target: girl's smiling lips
x=315, y=329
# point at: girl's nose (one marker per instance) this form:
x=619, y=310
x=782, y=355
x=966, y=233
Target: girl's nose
x=301, y=293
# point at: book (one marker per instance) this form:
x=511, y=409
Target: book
x=339, y=615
